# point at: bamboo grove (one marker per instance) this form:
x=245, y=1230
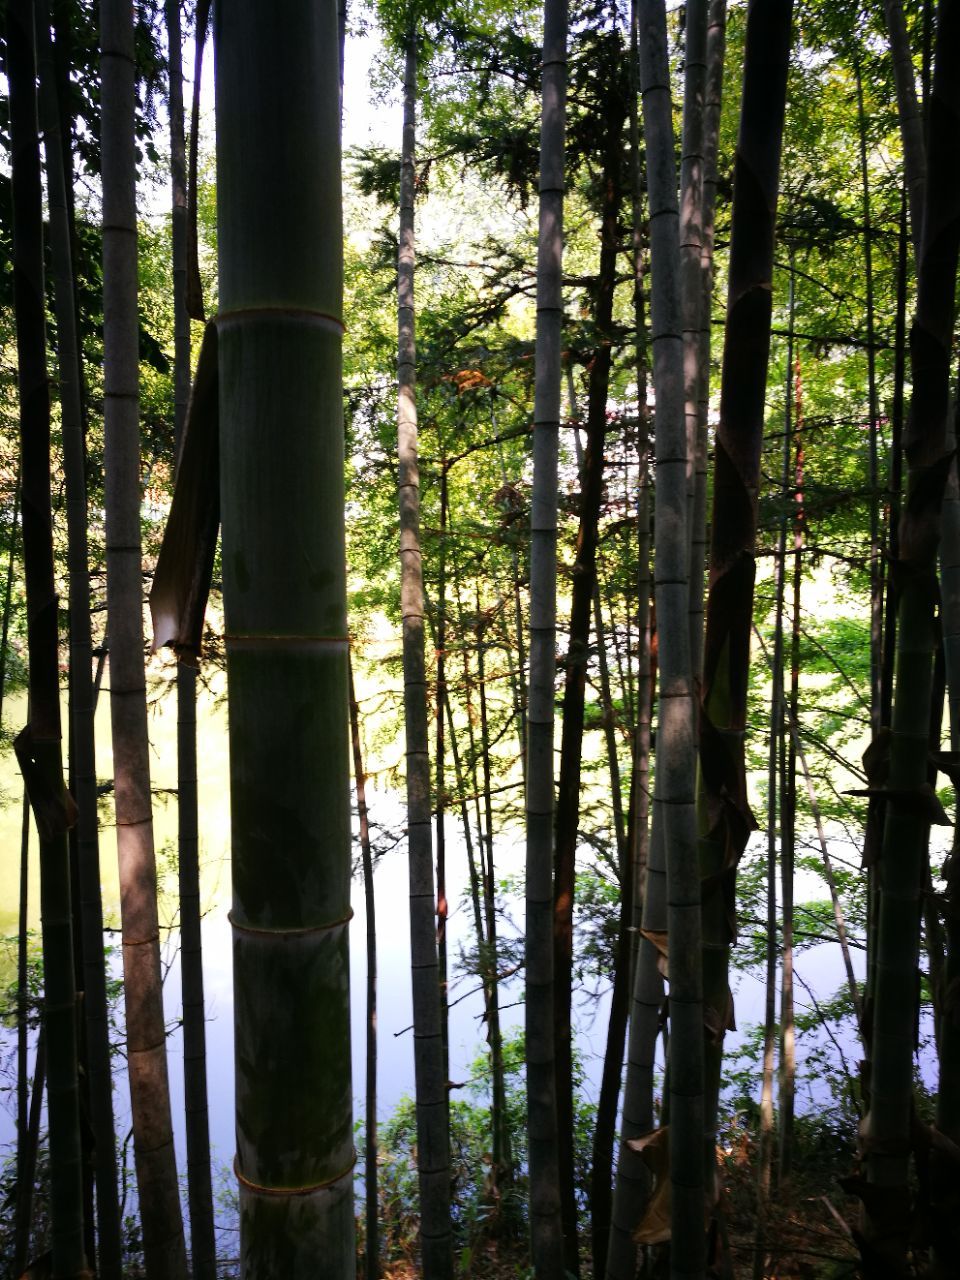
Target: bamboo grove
x=568, y=482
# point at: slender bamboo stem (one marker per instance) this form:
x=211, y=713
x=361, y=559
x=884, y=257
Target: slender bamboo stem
x=546, y=1236
x=8, y=588
x=99, y=1078
x=442, y=904
x=431, y=1084
x=203, y=1244
x=28, y=1171
x=765, y=1146
x=38, y=746
x=24, y=1175
x=159, y=1192
x=371, y=1143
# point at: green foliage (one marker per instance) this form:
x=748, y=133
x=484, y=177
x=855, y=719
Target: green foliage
x=487, y=1215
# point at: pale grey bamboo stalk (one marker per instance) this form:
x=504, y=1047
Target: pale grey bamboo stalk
x=632, y=1181
x=159, y=1192
x=713, y=95
x=911, y=118
x=676, y=737
x=546, y=1234
x=433, y=1162
x=692, y=165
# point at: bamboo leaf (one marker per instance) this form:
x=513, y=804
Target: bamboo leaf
x=53, y=807
x=922, y=801
x=662, y=947
x=654, y=1150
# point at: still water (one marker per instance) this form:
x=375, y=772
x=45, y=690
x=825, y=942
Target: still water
x=819, y=968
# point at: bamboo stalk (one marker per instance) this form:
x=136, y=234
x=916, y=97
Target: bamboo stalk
x=433, y=1164
x=371, y=1142
x=280, y=339
x=546, y=1236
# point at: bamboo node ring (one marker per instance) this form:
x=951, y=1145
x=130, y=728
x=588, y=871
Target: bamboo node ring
x=293, y=1191
x=296, y=931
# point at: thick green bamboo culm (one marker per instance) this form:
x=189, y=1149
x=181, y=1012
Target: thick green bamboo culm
x=546, y=1234
x=282, y=501
x=38, y=745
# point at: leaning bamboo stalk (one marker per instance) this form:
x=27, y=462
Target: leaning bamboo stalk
x=724, y=815
x=440, y=644
x=501, y=1171
x=545, y=1226
x=601, y=1182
